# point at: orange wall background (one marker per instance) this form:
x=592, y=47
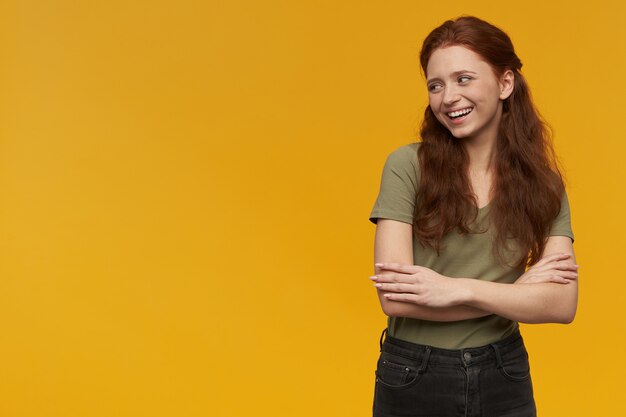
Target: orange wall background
x=185, y=189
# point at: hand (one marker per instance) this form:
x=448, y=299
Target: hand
x=552, y=268
x=417, y=284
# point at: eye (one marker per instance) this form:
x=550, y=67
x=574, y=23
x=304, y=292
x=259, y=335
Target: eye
x=464, y=77
x=434, y=87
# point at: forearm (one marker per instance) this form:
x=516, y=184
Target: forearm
x=527, y=303
x=415, y=311
x=422, y=312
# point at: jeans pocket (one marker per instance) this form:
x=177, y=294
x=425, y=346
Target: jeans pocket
x=396, y=372
x=516, y=367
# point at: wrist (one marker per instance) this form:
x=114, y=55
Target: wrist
x=466, y=294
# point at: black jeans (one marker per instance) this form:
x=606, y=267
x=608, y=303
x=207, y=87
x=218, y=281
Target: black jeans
x=487, y=381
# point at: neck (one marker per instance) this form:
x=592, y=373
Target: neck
x=481, y=155
x=481, y=148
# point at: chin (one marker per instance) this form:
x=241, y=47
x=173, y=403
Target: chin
x=459, y=135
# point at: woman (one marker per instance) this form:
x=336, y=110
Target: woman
x=473, y=236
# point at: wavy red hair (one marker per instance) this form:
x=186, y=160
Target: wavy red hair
x=528, y=185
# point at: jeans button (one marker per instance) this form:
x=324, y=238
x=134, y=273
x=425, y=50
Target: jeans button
x=467, y=356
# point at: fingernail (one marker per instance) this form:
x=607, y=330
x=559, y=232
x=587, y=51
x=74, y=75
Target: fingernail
x=378, y=264
x=378, y=285
x=374, y=278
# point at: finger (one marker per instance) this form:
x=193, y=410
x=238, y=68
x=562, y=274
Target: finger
x=552, y=257
x=560, y=263
x=566, y=266
x=546, y=278
x=383, y=277
x=555, y=278
x=549, y=258
x=551, y=276
x=569, y=275
x=393, y=277
x=386, y=277
x=407, y=288
x=558, y=278
x=557, y=266
x=398, y=267
x=411, y=298
x=565, y=274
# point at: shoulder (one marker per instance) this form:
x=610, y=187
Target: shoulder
x=407, y=149
x=405, y=155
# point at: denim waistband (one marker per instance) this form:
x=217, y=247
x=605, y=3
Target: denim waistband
x=460, y=357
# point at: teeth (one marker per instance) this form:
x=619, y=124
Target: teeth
x=460, y=112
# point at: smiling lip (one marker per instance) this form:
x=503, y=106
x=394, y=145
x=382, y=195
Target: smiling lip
x=460, y=119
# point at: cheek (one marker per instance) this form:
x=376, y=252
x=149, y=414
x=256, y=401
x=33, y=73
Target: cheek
x=441, y=119
x=433, y=100
x=438, y=115
x=488, y=96
x=488, y=104
x=434, y=104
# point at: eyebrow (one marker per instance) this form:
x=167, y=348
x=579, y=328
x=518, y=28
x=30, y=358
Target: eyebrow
x=455, y=74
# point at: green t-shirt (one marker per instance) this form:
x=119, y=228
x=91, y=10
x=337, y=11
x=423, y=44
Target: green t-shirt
x=468, y=256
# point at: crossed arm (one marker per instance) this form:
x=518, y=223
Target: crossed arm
x=546, y=293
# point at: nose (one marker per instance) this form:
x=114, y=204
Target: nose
x=450, y=95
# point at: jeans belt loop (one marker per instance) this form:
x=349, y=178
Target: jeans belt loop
x=498, y=357
x=422, y=367
x=381, y=338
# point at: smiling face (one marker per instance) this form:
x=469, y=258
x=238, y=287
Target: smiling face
x=464, y=93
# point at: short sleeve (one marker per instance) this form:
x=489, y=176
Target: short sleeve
x=561, y=226
x=398, y=186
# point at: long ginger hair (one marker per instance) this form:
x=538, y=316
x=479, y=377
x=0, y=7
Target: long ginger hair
x=528, y=185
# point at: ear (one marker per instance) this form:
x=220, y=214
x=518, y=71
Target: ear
x=506, y=82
